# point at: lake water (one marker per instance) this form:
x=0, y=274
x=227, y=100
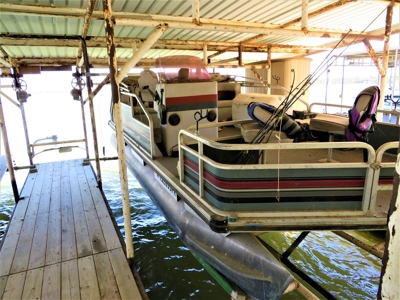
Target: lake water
x=169, y=270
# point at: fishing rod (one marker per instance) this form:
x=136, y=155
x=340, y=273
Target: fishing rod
x=289, y=100
x=301, y=88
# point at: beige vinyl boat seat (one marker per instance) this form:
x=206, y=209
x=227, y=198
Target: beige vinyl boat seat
x=249, y=131
x=337, y=124
x=330, y=123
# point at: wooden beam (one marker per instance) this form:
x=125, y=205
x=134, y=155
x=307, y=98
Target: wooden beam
x=86, y=24
x=117, y=118
x=126, y=43
x=220, y=62
x=150, y=20
x=242, y=27
x=374, y=57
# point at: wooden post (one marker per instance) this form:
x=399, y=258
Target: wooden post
x=84, y=127
x=91, y=108
x=205, y=59
x=109, y=28
x=8, y=154
x=30, y=153
x=389, y=287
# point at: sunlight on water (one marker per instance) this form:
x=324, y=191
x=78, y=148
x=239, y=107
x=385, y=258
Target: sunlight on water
x=342, y=268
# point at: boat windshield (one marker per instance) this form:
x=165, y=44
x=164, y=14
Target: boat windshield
x=181, y=68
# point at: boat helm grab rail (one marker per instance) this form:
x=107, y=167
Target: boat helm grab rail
x=150, y=123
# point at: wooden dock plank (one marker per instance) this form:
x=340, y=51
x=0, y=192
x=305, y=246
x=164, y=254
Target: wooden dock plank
x=95, y=231
x=33, y=284
x=28, y=185
x=40, y=236
x=108, y=285
x=11, y=239
x=125, y=280
x=3, y=282
x=53, y=249
x=108, y=228
x=23, y=250
x=70, y=280
x=14, y=229
x=51, y=288
x=68, y=249
x=13, y=288
x=37, y=259
x=45, y=196
x=58, y=248
x=40, y=194
x=83, y=244
x=87, y=278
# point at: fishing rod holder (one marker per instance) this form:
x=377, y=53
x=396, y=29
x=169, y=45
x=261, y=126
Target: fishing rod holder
x=198, y=116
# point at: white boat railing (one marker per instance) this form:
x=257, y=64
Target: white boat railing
x=149, y=119
x=370, y=188
x=378, y=165
x=383, y=111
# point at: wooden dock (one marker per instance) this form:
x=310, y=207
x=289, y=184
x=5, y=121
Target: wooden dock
x=61, y=241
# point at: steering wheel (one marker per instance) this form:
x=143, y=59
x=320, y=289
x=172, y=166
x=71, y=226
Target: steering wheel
x=78, y=83
x=19, y=85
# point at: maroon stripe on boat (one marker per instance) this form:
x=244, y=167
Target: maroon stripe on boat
x=385, y=181
x=273, y=184
x=191, y=99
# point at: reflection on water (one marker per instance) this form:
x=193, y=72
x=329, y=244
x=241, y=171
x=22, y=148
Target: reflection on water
x=345, y=270
x=169, y=270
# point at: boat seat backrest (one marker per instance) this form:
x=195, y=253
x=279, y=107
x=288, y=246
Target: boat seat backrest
x=183, y=75
x=147, y=78
x=362, y=115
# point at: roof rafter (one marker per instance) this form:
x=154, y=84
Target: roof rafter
x=100, y=42
x=149, y=20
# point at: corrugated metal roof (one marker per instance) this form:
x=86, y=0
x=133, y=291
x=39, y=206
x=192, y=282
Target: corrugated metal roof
x=20, y=19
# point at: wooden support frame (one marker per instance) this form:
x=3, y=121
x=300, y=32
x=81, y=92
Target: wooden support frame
x=109, y=32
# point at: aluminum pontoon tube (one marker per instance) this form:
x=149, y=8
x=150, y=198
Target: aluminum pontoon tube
x=239, y=257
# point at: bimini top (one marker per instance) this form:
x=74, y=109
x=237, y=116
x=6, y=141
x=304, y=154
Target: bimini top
x=181, y=68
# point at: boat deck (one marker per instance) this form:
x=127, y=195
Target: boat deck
x=61, y=242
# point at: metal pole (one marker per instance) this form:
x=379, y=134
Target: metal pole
x=8, y=154
x=141, y=51
x=109, y=28
x=341, y=93
x=91, y=107
x=30, y=154
x=84, y=128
